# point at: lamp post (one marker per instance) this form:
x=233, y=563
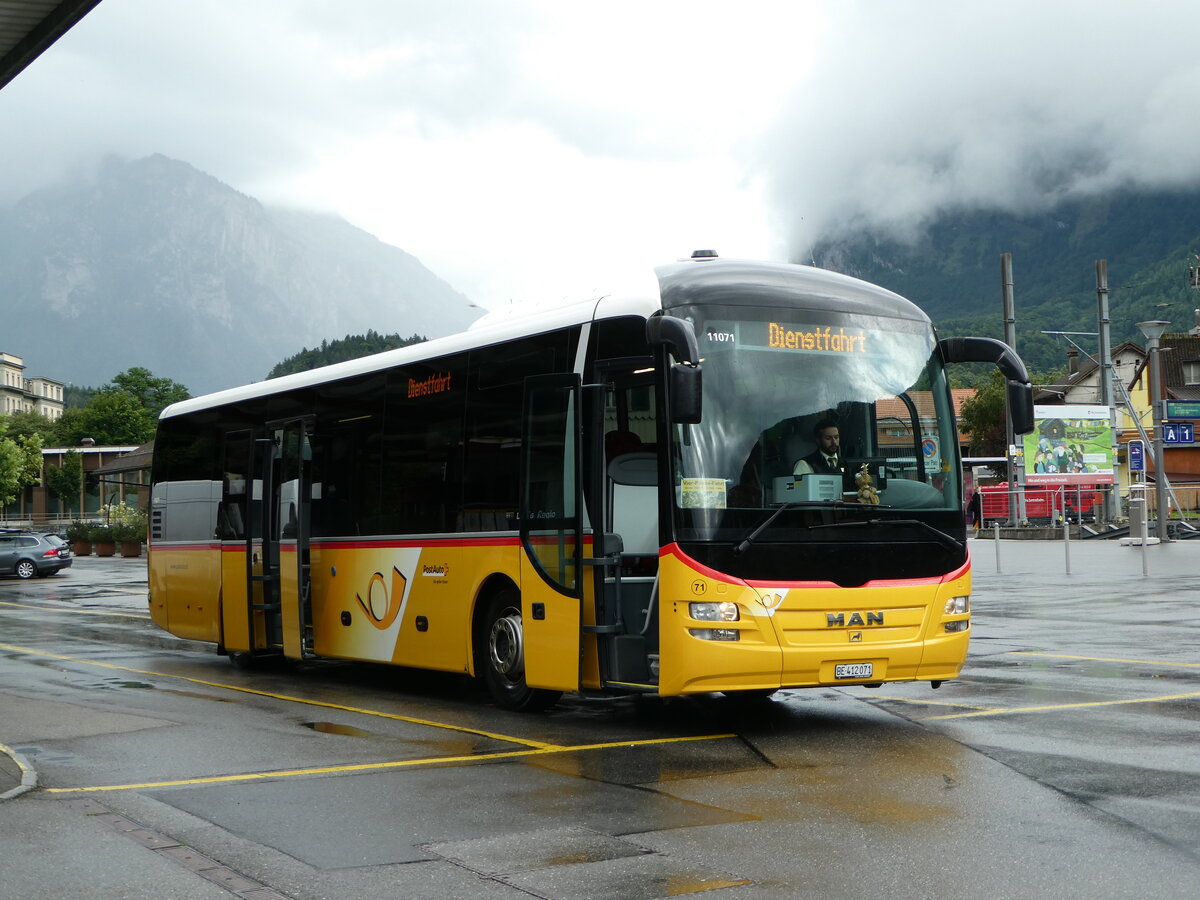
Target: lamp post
x=1153, y=330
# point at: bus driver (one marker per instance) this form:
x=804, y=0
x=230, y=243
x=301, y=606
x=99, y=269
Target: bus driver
x=827, y=458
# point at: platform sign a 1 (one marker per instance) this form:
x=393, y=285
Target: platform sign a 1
x=1137, y=456
x=1177, y=432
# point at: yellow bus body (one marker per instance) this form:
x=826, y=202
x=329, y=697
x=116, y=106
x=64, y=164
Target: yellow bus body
x=412, y=604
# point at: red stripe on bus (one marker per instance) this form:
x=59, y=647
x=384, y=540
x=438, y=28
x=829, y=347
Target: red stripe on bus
x=673, y=550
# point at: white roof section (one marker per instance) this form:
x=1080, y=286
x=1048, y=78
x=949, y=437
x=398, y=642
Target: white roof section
x=640, y=297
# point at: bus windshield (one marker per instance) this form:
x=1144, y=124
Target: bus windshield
x=773, y=378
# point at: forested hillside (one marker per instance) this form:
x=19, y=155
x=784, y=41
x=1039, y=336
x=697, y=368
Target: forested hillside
x=953, y=270
x=352, y=346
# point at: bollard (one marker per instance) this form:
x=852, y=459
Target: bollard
x=1067, y=542
x=996, y=541
x=1142, y=515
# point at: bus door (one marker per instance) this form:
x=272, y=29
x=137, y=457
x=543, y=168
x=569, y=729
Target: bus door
x=286, y=563
x=241, y=555
x=626, y=616
x=551, y=532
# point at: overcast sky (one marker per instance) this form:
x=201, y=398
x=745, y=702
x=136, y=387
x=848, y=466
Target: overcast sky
x=523, y=149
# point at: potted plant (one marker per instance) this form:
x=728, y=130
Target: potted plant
x=102, y=539
x=79, y=537
x=128, y=524
x=129, y=536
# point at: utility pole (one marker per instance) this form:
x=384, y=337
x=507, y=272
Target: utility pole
x=1153, y=330
x=1016, y=500
x=1107, y=397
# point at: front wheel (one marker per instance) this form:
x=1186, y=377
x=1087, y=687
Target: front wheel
x=26, y=568
x=504, y=657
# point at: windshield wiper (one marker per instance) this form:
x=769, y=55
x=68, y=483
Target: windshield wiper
x=795, y=504
x=942, y=538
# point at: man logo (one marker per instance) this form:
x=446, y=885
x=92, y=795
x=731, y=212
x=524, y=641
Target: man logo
x=839, y=620
x=382, y=606
x=856, y=637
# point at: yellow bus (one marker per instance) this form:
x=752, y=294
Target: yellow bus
x=602, y=496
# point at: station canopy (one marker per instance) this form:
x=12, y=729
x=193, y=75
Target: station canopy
x=28, y=27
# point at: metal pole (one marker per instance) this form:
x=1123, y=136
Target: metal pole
x=1161, y=511
x=1066, y=536
x=1107, y=397
x=1016, y=504
x=996, y=541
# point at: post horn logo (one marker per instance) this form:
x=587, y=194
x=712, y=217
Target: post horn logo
x=383, y=605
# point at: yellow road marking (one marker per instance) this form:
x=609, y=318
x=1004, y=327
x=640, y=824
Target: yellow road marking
x=916, y=700
x=1029, y=709
x=320, y=703
x=393, y=764
x=76, y=611
x=1114, y=659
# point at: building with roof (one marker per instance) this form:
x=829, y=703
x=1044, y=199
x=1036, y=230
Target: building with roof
x=110, y=475
x=19, y=393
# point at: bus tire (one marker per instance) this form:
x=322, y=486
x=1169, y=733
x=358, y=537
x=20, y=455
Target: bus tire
x=503, y=656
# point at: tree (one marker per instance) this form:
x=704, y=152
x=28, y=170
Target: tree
x=113, y=416
x=66, y=481
x=20, y=463
x=983, y=418
x=154, y=394
x=29, y=423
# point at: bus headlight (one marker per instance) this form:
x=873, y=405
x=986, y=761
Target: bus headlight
x=714, y=612
x=715, y=634
x=956, y=606
x=724, y=611
x=956, y=627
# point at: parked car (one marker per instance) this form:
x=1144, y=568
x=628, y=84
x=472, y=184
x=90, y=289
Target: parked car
x=29, y=553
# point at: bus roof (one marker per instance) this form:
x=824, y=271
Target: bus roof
x=493, y=328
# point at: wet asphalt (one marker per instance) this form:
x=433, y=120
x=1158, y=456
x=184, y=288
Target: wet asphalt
x=1061, y=764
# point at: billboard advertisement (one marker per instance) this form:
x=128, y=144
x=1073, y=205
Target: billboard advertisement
x=1069, y=444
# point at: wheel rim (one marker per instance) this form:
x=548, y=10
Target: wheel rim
x=26, y=569
x=506, y=647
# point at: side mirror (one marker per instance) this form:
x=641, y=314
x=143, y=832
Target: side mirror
x=1020, y=406
x=679, y=338
x=1018, y=391
x=685, y=394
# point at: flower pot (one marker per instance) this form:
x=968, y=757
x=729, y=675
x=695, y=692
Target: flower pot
x=81, y=548
x=105, y=548
x=131, y=548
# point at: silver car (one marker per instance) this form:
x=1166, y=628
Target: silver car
x=29, y=553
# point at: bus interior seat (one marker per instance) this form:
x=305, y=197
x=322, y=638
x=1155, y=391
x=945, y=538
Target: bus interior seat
x=633, y=502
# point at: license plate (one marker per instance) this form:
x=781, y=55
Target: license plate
x=853, y=670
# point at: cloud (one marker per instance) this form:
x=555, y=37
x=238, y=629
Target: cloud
x=519, y=147
x=912, y=109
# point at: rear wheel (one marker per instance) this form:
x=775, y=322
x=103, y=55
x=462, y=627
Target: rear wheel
x=26, y=568
x=503, y=655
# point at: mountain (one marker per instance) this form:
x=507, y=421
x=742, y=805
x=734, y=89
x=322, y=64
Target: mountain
x=952, y=270
x=153, y=263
